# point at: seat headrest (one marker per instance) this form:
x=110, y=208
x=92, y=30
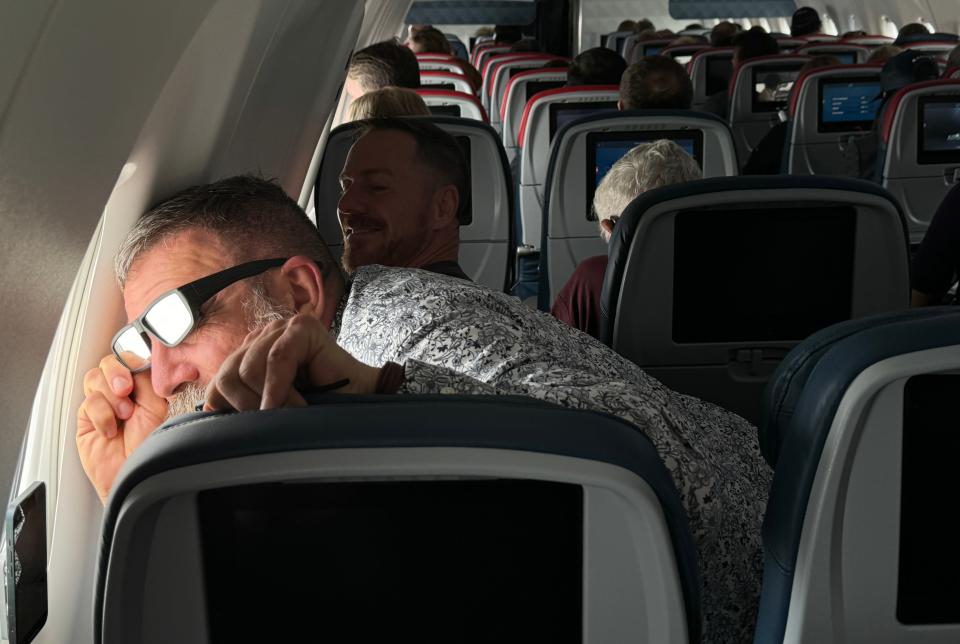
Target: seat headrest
x=856, y=346
x=348, y=422
x=623, y=233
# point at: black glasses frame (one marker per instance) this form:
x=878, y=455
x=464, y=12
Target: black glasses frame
x=194, y=295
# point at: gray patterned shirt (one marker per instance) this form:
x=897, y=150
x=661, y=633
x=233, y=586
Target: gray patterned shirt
x=457, y=337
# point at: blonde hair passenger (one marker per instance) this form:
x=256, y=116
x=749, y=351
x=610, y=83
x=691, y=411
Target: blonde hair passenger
x=387, y=102
x=645, y=167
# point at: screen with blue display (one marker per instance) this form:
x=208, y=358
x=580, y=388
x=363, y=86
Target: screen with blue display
x=606, y=148
x=845, y=58
x=652, y=51
x=848, y=105
x=563, y=113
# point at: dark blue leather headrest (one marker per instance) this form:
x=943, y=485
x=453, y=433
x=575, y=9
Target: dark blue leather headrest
x=829, y=363
x=788, y=381
x=341, y=421
x=622, y=237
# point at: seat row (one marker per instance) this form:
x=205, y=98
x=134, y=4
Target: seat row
x=314, y=519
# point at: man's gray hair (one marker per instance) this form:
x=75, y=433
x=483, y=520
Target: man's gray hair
x=252, y=218
x=645, y=167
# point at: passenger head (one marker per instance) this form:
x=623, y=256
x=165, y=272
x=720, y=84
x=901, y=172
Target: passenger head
x=597, y=66
x=507, y=34
x=906, y=68
x=381, y=65
x=429, y=41
x=693, y=25
x=853, y=34
x=805, y=21
x=627, y=25
x=818, y=62
x=404, y=186
x=206, y=229
x=644, y=25
x=555, y=63
x=883, y=54
x=690, y=40
x=912, y=32
x=387, y=102
x=655, y=82
x=723, y=33
x=645, y=167
x=525, y=45
x=953, y=60
x=753, y=43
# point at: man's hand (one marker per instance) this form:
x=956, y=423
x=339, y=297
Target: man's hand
x=261, y=373
x=119, y=412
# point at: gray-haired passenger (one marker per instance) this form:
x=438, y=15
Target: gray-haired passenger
x=645, y=167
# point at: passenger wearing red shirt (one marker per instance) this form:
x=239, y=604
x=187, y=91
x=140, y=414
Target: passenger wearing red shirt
x=645, y=167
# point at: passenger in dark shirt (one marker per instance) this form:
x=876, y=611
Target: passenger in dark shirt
x=937, y=262
x=749, y=44
x=767, y=157
x=645, y=167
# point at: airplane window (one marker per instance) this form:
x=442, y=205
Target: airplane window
x=683, y=59
x=603, y=149
x=742, y=275
x=939, y=129
x=928, y=589
x=471, y=561
x=888, y=27
x=847, y=105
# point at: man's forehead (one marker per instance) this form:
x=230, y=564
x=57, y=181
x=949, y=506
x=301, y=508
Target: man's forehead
x=170, y=263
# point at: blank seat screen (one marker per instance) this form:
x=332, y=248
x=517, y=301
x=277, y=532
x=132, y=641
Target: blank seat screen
x=563, y=113
x=406, y=561
x=847, y=105
x=447, y=86
x=719, y=70
x=928, y=587
x=772, y=85
x=444, y=110
x=761, y=275
x=535, y=87
x=939, y=124
x=604, y=149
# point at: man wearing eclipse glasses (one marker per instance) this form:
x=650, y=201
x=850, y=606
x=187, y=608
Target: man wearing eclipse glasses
x=234, y=301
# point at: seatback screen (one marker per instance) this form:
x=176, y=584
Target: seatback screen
x=407, y=561
x=719, y=69
x=847, y=105
x=563, y=113
x=445, y=110
x=448, y=86
x=938, y=139
x=604, y=149
x=535, y=87
x=25, y=533
x=652, y=50
x=772, y=85
x=928, y=587
x=845, y=57
x=748, y=275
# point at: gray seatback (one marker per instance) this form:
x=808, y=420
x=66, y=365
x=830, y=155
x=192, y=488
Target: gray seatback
x=698, y=68
x=750, y=120
x=515, y=100
x=815, y=148
x=570, y=227
x=649, y=308
x=918, y=182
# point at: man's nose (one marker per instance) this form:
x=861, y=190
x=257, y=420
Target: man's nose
x=349, y=202
x=169, y=369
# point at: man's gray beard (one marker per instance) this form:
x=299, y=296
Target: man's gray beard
x=259, y=311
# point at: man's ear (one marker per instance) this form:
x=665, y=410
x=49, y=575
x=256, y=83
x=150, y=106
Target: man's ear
x=303, y=287
x=446, y=205
x=620, y=104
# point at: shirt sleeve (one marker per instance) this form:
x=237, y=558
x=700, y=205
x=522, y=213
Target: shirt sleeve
x=938, y=257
